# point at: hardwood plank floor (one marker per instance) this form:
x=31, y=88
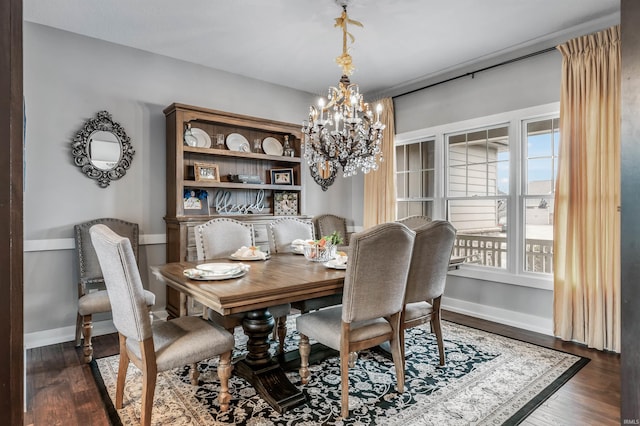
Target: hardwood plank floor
x=61, y=389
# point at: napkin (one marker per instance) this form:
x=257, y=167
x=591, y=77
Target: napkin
x=253, y=252
x=341, y=258
x=298, y=242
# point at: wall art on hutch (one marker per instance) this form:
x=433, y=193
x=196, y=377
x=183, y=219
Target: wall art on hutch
x=285, y=203
x=206, y=172
x=196, y=202
x=282, y=176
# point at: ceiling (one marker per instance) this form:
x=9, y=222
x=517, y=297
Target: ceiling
x=404, y=43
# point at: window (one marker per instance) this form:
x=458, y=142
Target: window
x=415, y=176
x=494, y=179
x=478, y=193
x=542, y=139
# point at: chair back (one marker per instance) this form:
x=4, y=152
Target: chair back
x=221, y=237
x=430, y=261
x=88, y=266
x=122, y=279
x=414, y=222
x=326, y=224
x=376, y=275
x=283, y=231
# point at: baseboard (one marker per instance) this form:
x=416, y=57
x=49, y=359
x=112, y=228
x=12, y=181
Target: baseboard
x=68, y=334
x=489, y=313
x=501, y=316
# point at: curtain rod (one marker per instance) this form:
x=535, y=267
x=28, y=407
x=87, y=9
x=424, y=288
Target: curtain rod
x=539, y=52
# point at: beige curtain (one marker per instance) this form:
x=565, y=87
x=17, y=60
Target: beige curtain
x=380, y=185
x=587, y=221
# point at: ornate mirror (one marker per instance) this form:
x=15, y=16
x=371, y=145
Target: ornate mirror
x=102, y=149
x=324, y=173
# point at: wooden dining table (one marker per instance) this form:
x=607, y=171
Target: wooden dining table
x=283, y=278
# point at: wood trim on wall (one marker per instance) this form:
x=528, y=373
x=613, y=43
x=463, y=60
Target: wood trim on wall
x=630, y=211
x=11, y=180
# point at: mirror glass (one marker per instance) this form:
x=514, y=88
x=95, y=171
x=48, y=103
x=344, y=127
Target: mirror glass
x=104, y=149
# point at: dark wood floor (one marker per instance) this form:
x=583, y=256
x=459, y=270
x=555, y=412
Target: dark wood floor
x=61, y=389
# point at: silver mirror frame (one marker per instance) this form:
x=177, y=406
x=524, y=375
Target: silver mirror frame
x=81, y=153
x=323, y=177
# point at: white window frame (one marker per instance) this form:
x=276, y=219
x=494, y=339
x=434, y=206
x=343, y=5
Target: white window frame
x=514, y=273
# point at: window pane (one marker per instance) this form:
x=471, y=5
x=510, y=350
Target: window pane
x=482, y=230
x=542, y=142
x=428, y=155
x=540, y=174
x=428, y=183
x=414, y=159
x=401, y=183
x=400, y=159
x=414, y=190
x=412, y=208
x=538, y=250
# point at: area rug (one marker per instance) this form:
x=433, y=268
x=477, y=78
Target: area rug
x=487, y=380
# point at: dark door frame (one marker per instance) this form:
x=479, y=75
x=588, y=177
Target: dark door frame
x=11, y=234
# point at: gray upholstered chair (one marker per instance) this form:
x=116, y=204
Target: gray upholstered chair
x=162, y=345
x=284, y=231
x=326, y=224
x=427, y=277
x=220, y=237
x=373, y=298
x=92, y=296
x=414, y=222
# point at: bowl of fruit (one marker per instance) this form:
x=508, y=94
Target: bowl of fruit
x=322, y=250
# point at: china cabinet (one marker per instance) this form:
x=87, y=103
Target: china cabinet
x=239, y=182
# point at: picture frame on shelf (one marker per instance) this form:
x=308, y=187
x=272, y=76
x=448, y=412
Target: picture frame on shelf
x=206, y=172
x=281, y=176
x=195, y=202
x=285, y=203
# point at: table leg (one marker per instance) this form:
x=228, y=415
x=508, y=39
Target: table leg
x=261, y=370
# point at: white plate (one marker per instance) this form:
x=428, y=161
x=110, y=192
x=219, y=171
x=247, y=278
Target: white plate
x=332, y=264
x=272, y=146
x=234, y=257
x=199, y=275
x=220, y=268
x=204, y=141
x=237, y=142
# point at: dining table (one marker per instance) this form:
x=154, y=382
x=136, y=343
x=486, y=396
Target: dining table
x=281, y=278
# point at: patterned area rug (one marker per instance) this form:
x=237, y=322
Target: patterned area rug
x=487, y=380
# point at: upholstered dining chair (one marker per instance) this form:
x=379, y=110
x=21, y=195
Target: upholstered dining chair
x=427, y=277
x=92, y=295
x=373, y=298
x=162, y=345
x=326, y=224
x=415, y=221
x=285, y=230
x=220, y=237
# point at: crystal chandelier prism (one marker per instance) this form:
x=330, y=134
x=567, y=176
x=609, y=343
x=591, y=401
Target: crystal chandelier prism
x=343, y=131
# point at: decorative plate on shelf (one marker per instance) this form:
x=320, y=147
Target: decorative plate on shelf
x=237, y=142
x=272, y=146
x=202, y=138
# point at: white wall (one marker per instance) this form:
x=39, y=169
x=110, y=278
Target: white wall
x=527, y=83
x=69, y=78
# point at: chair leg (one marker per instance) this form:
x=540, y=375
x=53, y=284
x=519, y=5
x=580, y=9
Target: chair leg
x=224, y=373
x=397, y=352
x=344, y=379
x=194, y=373
x=87, y=327
x=78, y=330
x=122, y=372
x=305, y=349
x=149, y=375
x=353, y=358
x=282, y=333
x=437, y=328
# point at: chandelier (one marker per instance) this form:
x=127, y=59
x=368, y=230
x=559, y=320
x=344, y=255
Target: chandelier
x=343, y=131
